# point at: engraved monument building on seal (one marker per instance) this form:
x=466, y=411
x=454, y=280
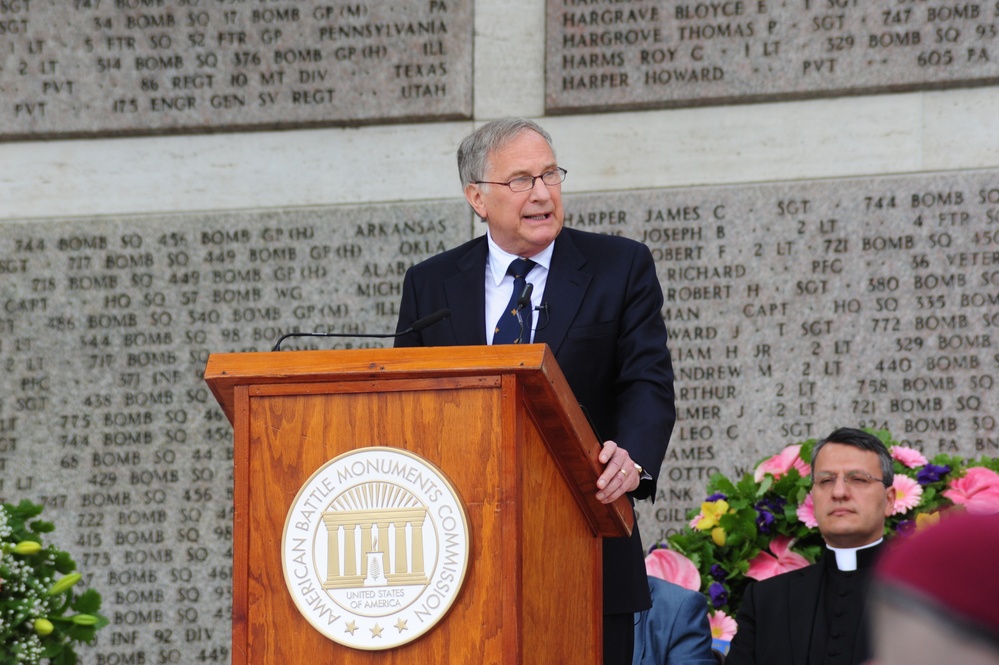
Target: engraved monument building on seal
x=375, y=548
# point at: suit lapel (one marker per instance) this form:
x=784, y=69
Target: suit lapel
x=567, y=284
x=803, y=594
x=466, y=298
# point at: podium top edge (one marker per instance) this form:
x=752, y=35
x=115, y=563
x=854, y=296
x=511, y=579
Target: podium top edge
x=365, y=363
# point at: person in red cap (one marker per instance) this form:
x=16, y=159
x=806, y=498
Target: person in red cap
x=935, y=595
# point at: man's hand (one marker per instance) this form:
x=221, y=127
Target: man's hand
x=619, y=476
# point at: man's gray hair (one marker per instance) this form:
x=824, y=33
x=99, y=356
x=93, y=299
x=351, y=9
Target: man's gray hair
x=474, y=151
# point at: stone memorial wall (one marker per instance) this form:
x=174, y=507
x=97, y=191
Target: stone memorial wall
x=635, y=54
x=797, y=308
x=105, y=419
x=93, y=67
x=793, y=308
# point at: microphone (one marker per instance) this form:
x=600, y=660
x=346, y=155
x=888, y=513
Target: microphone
x=524, y=301
x=525, y=297
x=425, y=322
x=418, y=325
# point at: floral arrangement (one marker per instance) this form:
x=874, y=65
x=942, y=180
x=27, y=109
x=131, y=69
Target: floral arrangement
x=41, y=614
x=763, y=524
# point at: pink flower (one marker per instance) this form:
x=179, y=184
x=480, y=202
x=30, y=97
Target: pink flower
x=781, y=463
x=977, y=491
x=907, y=494
x=764, y=565
x=673, y=567
x=806, y=512
x=908, y=456
x=723, y=627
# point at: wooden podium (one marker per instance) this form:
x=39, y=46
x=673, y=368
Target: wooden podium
x=499, y=422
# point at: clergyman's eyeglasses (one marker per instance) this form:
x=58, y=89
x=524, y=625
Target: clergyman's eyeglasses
x=857, y=480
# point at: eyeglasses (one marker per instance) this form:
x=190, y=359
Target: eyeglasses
x=526, y=182
x=856, y=480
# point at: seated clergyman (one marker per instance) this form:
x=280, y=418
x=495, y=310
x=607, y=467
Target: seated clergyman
x=816, y=614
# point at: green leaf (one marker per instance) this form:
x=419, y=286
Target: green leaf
x=738, y=504
x=64, y=657
x=991, y=463
x=88, y=602
x=64, y=562
x=26, y=510
x=747, y=486
x=765, y=485
x=805, y=452
x=724, y=485
x=40, y=526
x=53, y=650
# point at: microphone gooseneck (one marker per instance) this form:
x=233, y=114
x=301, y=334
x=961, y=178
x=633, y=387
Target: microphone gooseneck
x=417, y=326
x=524, y=300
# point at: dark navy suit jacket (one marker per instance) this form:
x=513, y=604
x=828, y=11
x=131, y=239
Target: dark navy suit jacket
x=605, y=327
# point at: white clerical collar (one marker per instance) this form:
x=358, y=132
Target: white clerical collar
x=499, y=260
x=846, y=557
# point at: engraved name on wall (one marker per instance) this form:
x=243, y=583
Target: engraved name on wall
x=91, y=67
x=637, y=54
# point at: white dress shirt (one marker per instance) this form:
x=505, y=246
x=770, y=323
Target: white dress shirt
x=499, y=285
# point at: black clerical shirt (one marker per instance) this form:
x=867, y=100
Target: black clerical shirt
x=839, y=636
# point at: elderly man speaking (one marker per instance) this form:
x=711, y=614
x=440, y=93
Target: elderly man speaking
x=595, y=300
